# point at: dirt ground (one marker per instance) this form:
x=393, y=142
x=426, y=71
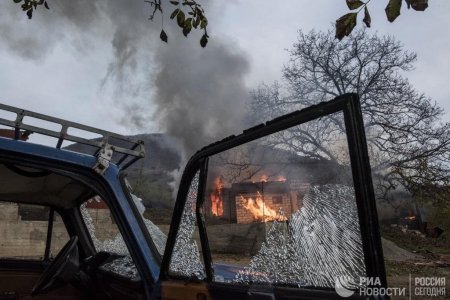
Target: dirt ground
x=232, y=259
x=417, y=256
x=398, y=275
x=409, y=254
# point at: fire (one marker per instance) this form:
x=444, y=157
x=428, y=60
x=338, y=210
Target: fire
x=281, y=178
x=265, y=178
x=216, y=198
x=410, y=217
x=260, y=210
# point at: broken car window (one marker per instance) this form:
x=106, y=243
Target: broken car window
x=282, y=210
x=186, y=258
x=106, y=237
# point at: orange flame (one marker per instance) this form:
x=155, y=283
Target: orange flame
x=281, y=178
x=410, y=216
x=216, y=198
x=266, y=178
x=260, y=211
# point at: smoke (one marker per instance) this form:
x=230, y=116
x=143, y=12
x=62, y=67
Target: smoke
x=203, y=90
x=196, y=95
x=200, y=97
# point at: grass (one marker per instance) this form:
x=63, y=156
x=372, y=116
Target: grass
x=394, y=268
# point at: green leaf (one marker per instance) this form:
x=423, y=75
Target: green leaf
x=163, y=36
x=204, y=41
x=46, y=5
x=26, y=6
x=345, y=25
x=174, y=13
x=196, y=22
x=419, y=5
x=187, y=26
x=186, y=30
x=180, y=18
x=367, y=19
x=204, y=23
x=393, y=10
x=175, y=2
x=354, y=4
x=199, y=12
x=30, y=13
x=188, y=22
x=17, y=1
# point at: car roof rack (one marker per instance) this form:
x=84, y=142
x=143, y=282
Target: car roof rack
x=126, y=150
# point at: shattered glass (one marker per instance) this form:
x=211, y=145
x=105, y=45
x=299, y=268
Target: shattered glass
x=319, y=243
x=115, y=245
x=185, y=260
x=123, y=265
x=158, y=237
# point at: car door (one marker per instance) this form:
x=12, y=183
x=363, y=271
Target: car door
x=285, y=210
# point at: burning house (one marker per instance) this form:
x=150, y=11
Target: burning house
x=266, y=201
x=263, y=184
x=250, y=201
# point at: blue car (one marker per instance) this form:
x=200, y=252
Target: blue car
x=252, y=219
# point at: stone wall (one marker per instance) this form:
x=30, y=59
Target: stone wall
x=232, y=238
x=27, y=239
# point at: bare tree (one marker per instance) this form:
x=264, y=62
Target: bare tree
x=408, y=143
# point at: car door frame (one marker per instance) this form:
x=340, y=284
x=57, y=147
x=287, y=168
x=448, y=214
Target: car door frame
x=349, y=104
x=109, y=185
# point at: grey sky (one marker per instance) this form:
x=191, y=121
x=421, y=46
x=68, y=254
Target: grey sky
x=74, y=74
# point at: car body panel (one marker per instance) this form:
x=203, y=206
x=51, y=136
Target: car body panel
x=125, y=213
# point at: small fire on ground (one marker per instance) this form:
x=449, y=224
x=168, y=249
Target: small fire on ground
x=411, y=216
